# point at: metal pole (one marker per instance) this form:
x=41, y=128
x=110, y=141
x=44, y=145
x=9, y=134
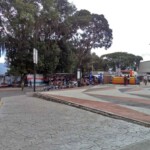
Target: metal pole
x=78, y=76
x=34, y=87
x=35, y=60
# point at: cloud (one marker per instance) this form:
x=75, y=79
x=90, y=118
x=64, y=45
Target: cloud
x=129, y=21
x=2, y=59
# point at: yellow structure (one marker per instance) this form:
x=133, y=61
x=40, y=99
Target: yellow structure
x=117, y=80
x=132, y=80
x=120, y=80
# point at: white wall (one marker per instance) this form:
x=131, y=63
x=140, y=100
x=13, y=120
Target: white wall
x=144, y=67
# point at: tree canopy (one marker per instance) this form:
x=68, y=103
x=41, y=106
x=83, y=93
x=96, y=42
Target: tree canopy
x=121, y=60
x=62, y=35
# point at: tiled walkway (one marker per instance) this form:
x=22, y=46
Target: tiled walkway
x=114, y=101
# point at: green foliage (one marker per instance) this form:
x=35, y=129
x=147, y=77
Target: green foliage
x=69, y=35
x=90, y=31
x=121, y=59
x=49, y=59
x=96, y=62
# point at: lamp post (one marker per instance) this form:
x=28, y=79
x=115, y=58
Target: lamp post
x=105, y=63
x=35, y=60
x=78, y=76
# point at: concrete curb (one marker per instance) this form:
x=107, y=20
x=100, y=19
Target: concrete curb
x=104, y=113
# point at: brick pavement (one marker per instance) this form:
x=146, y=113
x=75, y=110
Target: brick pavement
x=108, y=100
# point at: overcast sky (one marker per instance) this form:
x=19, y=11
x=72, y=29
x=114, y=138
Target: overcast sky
x=129, y=20
x=2, y=59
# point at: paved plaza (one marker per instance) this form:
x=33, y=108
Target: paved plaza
x=130, y=103
x=31, y=123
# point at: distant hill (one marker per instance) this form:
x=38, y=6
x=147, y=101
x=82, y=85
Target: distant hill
x=3, y=68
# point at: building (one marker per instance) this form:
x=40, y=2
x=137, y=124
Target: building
x=144, y=68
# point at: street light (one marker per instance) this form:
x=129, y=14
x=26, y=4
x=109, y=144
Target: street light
x=105, y=63
x=78, y=76
x=35, y=60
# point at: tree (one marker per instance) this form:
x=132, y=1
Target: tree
x=26, y=21
x=18, y=23
x=66, y=58
x=2, y=36
x=64, y=47
x=96, y=62
x=137, y=62
x=122, y=60
x=91, y=31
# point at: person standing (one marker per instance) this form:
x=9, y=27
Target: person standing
x=22, y=85
x=128, y=79
x=125, y=80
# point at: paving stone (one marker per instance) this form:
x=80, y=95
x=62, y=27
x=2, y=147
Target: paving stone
x=28, y=123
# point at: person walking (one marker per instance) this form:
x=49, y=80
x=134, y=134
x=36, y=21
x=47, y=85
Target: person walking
x=145, y=79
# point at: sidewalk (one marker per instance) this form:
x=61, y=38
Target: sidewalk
x=26, y=89
x=130, y=103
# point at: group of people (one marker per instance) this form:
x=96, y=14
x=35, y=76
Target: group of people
x=127, y=79
x=61, y=82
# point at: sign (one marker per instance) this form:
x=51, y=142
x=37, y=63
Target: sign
x=78, y=74
x=35, y=56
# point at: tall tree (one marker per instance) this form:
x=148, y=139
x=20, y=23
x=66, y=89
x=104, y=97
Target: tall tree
x=68, y=34
x=91, y=31
x=122, y=60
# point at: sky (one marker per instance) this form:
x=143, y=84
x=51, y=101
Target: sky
x=129, y=20
x=2, y=59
